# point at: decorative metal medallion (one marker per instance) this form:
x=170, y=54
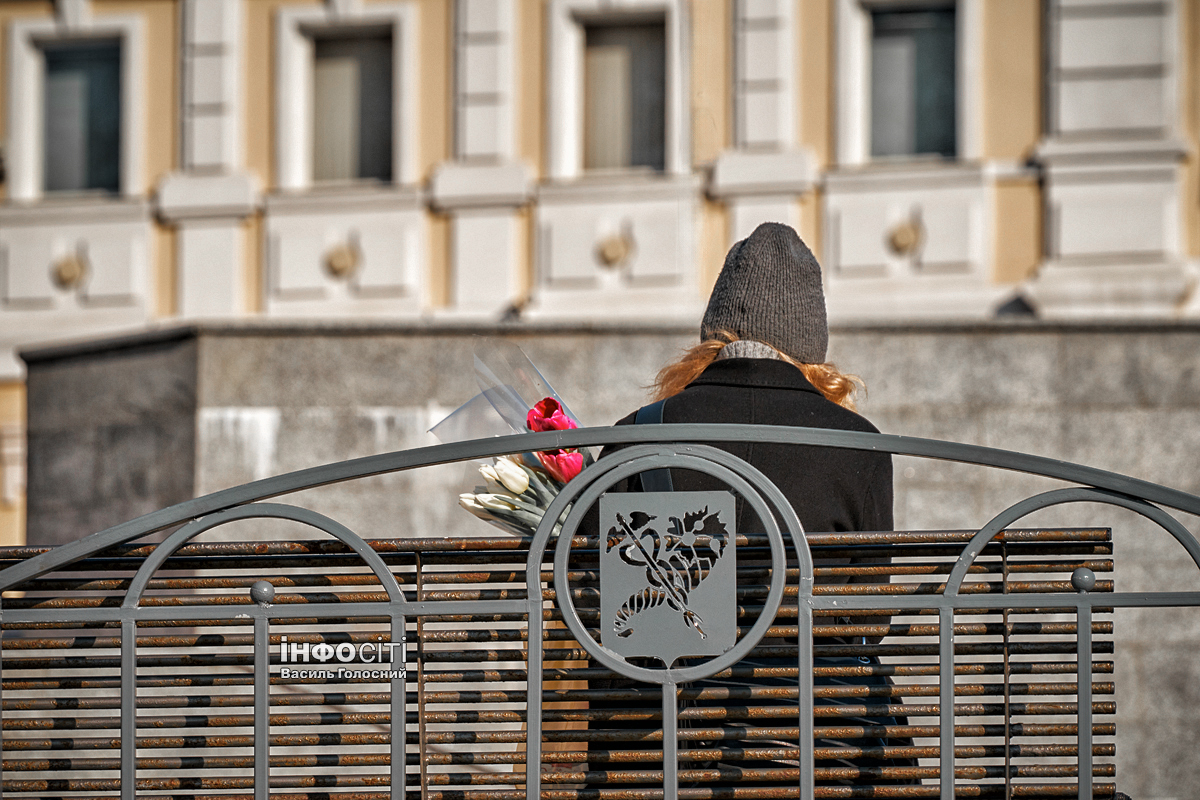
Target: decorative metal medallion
x=668, y=574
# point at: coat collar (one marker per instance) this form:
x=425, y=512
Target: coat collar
x=757, y=372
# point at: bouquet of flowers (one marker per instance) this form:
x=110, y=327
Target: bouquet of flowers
x=519, y=488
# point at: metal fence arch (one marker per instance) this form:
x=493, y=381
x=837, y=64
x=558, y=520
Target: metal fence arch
x=644, y=448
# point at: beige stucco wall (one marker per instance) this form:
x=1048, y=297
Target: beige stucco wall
x=436, y=84
x=531, y=84
x=165, y=298
x=1189, y=108
x=258, y=85
x=436, y=140
x=161, y=20
x=12, y=414
x=816, y=79
x=711, y=80
x=812, y=220
x=526, y=233
x=254, y=275
x=1012, y=127
x=714, y=240
x=1012, y=78
x=1018, y=230
x=712, y=120
x=439, y=259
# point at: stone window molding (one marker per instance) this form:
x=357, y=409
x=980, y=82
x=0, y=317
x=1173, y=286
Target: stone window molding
x=27, y=39
x=1113, y=71
x=764, y=97
x=212, y=103
x=294, y=30
x=12, y=464
x=853, y=25
x=485, y=85
x=565, y=101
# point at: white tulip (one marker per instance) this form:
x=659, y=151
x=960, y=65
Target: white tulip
x=511, y=476
x=471, y=503
x=495, y=502
x=494, y=484
x=511, y=509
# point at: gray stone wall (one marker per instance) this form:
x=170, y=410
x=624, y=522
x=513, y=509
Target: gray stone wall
x=111, y=433
x=271, y=403
x=119, y=430
x=1124, y=400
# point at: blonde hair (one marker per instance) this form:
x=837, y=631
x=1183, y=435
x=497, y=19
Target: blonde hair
x=837, y=386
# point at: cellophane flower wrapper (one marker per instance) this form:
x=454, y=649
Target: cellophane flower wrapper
x=513, y=398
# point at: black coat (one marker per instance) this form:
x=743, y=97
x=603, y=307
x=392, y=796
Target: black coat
x=831, y=489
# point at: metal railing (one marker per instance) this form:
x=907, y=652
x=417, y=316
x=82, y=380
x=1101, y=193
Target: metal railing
x=506, y=638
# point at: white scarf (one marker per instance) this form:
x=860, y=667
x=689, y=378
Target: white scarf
x=748, y=348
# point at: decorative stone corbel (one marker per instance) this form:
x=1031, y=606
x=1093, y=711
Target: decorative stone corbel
x=73, y=14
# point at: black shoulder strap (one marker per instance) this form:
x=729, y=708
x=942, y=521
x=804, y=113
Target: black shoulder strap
x=651, y=414
x=655, y=480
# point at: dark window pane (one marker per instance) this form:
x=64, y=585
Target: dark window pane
x=913, y=86
x=352, y=108
x=625, y=107
x=82, y=121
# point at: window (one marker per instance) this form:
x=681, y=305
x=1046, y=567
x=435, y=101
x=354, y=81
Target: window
x=625, y=96
x=76, y=105
x=913, y=55
x=352, y=108
x=82, y=116
x=346, y=94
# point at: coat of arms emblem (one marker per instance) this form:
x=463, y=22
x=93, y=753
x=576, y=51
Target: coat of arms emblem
x=668, y=574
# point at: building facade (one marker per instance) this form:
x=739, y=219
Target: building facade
x=581, y=160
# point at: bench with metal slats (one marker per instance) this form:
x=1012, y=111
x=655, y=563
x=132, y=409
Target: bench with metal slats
x=466, y=684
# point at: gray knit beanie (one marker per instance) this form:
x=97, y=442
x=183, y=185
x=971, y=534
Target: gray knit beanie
x=770, y=291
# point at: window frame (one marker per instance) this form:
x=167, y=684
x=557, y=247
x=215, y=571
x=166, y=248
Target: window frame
x=566, y=24
x=295, y=30
x=854, y=78
x=371, y=55
x=591, y=125
x=98, y=60
x=27, y=39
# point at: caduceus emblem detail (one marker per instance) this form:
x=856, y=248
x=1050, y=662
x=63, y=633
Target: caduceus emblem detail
x=675, y=561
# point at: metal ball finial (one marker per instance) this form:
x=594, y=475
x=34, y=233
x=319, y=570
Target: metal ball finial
x=1083, y=579
x=262, y=592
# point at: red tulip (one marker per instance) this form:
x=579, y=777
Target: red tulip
x=548, y=415
x=562, y=464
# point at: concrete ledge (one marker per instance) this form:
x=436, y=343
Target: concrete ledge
x=740, y=173
x=456, y=185
x=1150, y=290
x=342, y=199
x=1066, y=151
x=51, y=349
x=621, y=186
x=911, y=175
x=182, y=196
x=81, y=209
